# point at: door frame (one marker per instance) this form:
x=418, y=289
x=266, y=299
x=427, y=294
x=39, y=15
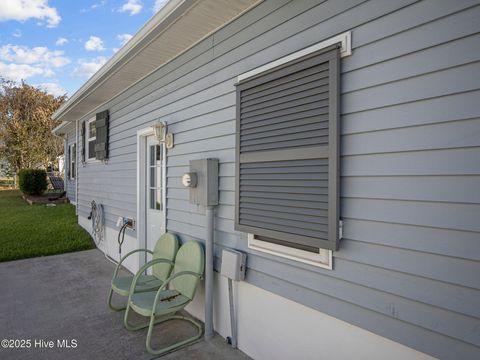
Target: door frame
x=142, y=135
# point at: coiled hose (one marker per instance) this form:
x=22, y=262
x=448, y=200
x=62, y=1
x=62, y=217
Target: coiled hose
x=96, y=215
x=98, y=225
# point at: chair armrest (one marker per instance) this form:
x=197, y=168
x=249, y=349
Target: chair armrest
x=145, y=267
x=119, y=265
x=174, y=276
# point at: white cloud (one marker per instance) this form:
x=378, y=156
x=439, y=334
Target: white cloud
x=94, y=43
x=52, y=88
x=89, y=67
x=17, y=33
x=131, y=6
x=123, y=38
x=22, y=10
x=37, y=55
x=61, y=41
x=17, y=72
x=21, y=62
x=159, y=4
x=94, y=6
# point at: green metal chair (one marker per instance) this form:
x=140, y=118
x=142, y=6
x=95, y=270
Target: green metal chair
x=167, y=300
x=162, y=263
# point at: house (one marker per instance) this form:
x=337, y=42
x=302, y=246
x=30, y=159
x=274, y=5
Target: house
x=348, y=140
x=5, y=169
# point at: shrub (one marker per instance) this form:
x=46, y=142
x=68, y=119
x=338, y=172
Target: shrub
x=32, y=181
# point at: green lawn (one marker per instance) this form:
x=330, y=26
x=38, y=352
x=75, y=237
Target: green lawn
x=37, y=230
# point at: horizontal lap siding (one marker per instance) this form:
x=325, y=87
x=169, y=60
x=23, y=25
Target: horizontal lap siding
x=408, y=266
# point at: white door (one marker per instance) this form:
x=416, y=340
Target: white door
x=154, y=191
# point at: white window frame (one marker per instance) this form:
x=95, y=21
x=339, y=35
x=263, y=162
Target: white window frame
x=87, y=141
x=324, y=258
x=72, y=164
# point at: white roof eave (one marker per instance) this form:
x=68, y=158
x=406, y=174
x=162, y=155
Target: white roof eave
x=131, y=52
x=154, y=22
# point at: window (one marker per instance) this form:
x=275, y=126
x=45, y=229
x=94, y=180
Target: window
x=287, y=149
x=155, y=177
x=95, y=138
x=72, y=156
x=91, y=137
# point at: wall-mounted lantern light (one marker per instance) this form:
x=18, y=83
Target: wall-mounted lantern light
x=160, y=131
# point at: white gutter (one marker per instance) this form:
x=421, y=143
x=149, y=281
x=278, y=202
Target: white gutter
x=57, y=128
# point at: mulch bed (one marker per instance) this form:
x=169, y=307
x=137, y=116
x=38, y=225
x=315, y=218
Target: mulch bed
x=43, y=199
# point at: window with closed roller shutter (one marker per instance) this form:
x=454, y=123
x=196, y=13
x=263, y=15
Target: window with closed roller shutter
x=287, y=153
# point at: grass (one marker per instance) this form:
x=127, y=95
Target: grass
x=37, y=230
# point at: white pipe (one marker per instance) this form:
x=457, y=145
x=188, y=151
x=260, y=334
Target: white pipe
x=209, y=272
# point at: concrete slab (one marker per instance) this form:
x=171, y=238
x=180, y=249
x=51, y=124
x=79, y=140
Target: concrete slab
x=62, y=299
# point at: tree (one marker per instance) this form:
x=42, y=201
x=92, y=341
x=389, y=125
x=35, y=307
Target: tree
x=26, y=124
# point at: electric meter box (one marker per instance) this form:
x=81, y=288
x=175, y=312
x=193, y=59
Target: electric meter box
x=205, y=189
x=233, y=264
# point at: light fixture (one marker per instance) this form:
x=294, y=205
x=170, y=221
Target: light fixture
x=160, y=131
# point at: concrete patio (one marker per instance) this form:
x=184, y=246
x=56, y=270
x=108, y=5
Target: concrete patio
x=63, y=297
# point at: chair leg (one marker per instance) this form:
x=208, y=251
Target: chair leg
x=127, y=325
x=113, y=308
x=130, y=327
x=177, y=345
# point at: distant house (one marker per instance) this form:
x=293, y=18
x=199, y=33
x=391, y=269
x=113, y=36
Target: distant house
x=348, y=137
x=5, y=169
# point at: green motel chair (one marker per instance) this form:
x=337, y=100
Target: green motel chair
x=176, y=292
x=163, y=254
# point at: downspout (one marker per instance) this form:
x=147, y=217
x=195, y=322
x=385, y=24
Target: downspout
x=65, y=171
x=76, y=167
x=202, y=180
x=209, y=272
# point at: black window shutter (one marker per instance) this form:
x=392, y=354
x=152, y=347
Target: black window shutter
x=82, y=141
x=68, y=161
x=101, y=143
x=287, y=153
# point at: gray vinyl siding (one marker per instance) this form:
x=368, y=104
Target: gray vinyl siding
x=409, y=263
x=70, y=185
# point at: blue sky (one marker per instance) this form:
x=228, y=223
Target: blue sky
x=59, y=44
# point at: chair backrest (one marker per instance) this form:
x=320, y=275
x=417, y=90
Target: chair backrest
x=57, y=182
x=190, y=257
x=165, y=248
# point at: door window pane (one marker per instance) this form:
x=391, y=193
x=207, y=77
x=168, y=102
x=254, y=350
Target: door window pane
x=155, y=177
x=158, y=155
x=152, y=198
x=158, y=198
x=158, y=176
x=152, y=154
x=152, y=177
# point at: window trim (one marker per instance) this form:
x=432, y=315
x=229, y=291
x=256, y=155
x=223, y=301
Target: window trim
x=324, y=258
x=88, y=159
x=345, y=39
x=72, y=164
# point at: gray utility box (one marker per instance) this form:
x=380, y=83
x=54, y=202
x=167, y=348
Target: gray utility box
x=205, y=191
x=233, y=264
